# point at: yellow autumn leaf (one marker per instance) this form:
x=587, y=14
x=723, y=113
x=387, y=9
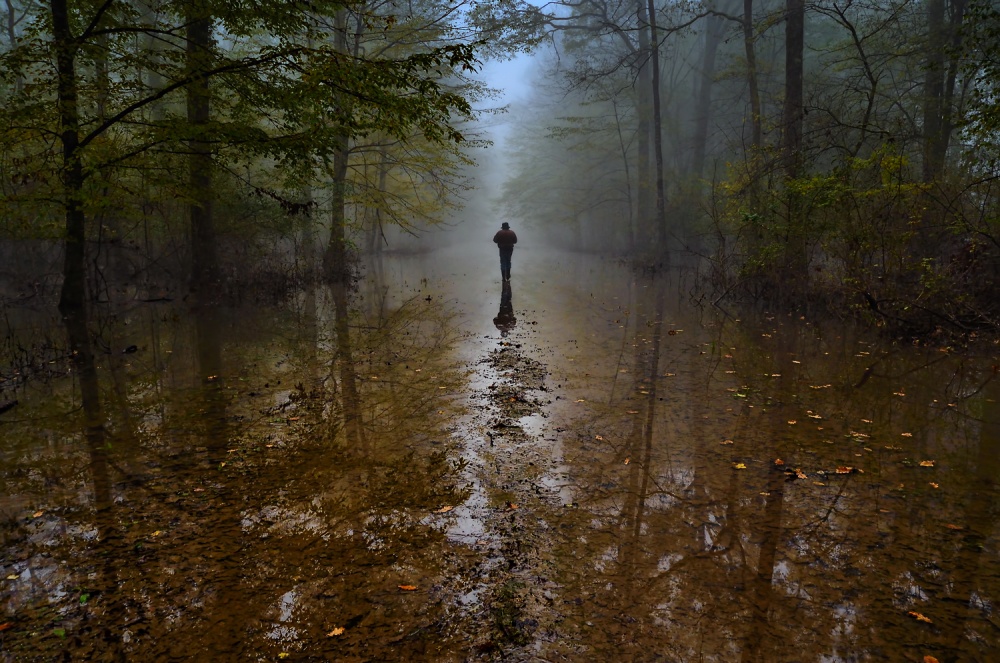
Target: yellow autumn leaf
x=444, y=509
x=740, y=466
x=337, y=631
x=927, y=463
x=919, y=617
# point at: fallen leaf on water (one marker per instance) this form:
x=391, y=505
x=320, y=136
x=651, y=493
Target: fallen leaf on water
x=511, y=505
x=930, y=659
x=919, y=617
x=407, y=588
x=598, y=437
x=927, y=463
x=627, y=460
x=818, y=483
x=38, y=514
x=792, y=422
x=906, y=434
x=820, y=386
x=631, y=412
x=294, y=418
x=580, y=400
x=955, y=527
x=157, y=532
x=444, y=509
x=337, y=631
x=845, y=469
x=6, y=625
x=815, y=416
x=740, y=466
x=800, y=474
x=284, y=655
x=867, y=421
x=12, y=577
x=726, y=442
x=669, y=375
x=934, y=485
x=899, y=393
x=778, y=461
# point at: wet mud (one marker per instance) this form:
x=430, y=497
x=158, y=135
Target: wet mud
x=579, y=464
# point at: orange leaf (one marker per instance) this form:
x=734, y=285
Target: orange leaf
x=627, y=460
x=930, y=659
x=6, y=625
x=337, y=631
x=444, y=509
x=919, y=617
x=950, y=526
x=844, y=469
x=778, y=461
x=927, y=463
x=407, y=588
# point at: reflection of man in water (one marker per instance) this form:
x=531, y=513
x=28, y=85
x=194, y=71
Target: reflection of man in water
x=505, y=319
x=505, y=239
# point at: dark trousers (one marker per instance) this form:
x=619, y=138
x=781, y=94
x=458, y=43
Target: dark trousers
x=505, y=255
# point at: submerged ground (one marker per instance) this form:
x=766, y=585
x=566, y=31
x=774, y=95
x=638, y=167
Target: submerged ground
x=587, y=465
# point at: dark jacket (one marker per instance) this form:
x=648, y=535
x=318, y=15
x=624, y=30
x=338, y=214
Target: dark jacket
x=505, y=239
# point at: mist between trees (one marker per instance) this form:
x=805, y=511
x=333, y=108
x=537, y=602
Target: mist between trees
x=839, y=151
x=836, y=151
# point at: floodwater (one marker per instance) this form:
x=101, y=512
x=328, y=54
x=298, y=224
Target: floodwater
x=589, y=464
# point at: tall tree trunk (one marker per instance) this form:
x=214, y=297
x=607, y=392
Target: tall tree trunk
x=751, y=55
x=73, y=292
x=644, y=131
x=335, y=261
x=654, y=55
x=792, y=115
x=795, y=268
x=933, y=111
x=204, y=263
x=12, y=22
x=703, y=108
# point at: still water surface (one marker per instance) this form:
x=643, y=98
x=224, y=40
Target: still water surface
x=588, y=465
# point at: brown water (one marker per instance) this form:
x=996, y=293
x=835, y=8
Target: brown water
x=588, y=466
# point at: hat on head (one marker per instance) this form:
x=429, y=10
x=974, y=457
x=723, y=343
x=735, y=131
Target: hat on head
x=505, y=225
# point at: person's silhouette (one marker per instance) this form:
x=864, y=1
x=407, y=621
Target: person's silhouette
x=505, y=239
x=505, y=319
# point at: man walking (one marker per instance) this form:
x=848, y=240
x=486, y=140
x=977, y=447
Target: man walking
x=505, y=239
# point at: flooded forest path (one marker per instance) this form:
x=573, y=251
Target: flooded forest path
x=583, y=464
